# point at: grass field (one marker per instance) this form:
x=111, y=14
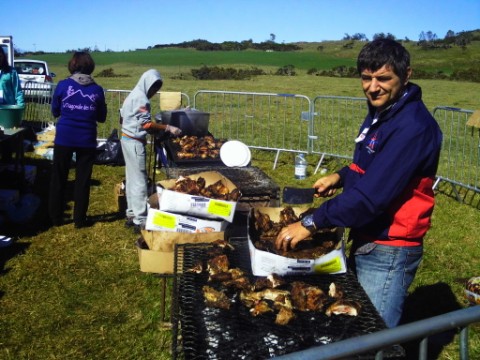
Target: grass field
x=79, y=294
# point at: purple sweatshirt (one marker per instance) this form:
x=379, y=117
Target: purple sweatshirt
x=80, y=104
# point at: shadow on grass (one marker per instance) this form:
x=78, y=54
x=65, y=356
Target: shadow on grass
x=425, y=302
x=8, y=253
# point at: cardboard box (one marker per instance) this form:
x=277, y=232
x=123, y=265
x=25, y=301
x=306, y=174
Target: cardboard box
x=257, y=188
x=200, y=206
x=156, y=249
x=265, y=263
x=158, y=220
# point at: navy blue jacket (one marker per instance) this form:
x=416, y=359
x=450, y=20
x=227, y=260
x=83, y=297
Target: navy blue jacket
x=387, y=190
x=79, y=107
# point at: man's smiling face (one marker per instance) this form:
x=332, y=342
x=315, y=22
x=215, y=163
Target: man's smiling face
x=382, y=87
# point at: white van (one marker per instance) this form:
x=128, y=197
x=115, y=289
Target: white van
x=6, y=44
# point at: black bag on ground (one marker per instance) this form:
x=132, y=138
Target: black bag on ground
x=111, y=152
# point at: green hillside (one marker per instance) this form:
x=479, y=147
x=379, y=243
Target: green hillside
x=322, y=56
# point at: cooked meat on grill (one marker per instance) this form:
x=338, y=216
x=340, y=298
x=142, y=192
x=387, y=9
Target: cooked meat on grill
x=271, y=281
x=232, y=278
x=190, y=147
x=222, y=243
x=260, y=307
x=281, y=297
x=197, y=268
x=240, y=283
x=306, y=297
x=284, y=316
x=344, y=307
x=218, y=264
x=335, y=291
x=215, y=298
x=220, y=276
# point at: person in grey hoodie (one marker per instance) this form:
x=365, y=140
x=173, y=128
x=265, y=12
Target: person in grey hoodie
x=136, y=125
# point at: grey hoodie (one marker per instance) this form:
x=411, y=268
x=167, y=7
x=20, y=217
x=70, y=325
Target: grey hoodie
x=136, y=107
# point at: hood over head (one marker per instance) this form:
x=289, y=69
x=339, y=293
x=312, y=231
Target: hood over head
x=147, y=79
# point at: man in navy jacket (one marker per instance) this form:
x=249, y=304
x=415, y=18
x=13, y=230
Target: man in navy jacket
x=387, y=198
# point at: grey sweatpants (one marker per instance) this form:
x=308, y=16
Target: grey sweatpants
x=134, y=153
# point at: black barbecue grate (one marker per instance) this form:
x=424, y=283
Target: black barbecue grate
x=251, y=180
x=211, y=333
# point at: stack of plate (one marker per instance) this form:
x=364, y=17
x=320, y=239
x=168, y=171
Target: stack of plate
x=235, y=153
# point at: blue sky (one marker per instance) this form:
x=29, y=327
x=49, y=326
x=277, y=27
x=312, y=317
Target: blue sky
x=57, y=26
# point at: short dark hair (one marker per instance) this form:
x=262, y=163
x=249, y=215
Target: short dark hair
x=81, y=62
x=382, y=52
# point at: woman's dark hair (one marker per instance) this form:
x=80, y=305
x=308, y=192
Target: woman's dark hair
x=4, y=62
x=384, y=52
x=81, y=62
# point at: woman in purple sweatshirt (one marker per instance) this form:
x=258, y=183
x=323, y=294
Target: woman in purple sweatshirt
x=78, y=103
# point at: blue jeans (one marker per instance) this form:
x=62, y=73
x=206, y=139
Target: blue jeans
x=385, y=273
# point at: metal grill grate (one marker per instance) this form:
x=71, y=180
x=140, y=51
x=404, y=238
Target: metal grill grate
x=210, y=333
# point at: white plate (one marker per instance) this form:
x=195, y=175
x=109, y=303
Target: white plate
x=235, y=153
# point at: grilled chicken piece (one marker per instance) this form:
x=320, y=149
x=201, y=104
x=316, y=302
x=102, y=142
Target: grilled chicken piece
x=279, y=297
x=260, y=307
x=240, y=283
x=215, y=298
x=218, y=264
x=344, y=307
x=197, y=268
x=221, y=243
x=284, y=316
x=335, y=291
x=271, y=281
x=306, y=297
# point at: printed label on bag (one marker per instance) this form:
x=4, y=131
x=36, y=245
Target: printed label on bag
x=220, y=208
x=332, y=266
x=164, y=220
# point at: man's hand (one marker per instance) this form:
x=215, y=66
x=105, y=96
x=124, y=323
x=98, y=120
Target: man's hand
x=327, y=186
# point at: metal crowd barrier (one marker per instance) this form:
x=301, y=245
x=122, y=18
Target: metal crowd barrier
x=293, y=123
x=115, y=98
x=460, y=157
x=423, y=329
x=335, y=124
x=37, y=103
x=37, y=107
x=267, y=121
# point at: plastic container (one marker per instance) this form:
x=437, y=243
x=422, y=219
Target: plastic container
x=300, y=166
x=11, y=116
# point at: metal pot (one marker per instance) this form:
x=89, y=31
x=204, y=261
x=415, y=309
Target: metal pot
x=192, y=122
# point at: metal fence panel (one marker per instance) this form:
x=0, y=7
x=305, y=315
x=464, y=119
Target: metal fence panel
x=460, y=157
x=37, y=103
x=266, y=121
x=335, y=125
x=37, y=108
